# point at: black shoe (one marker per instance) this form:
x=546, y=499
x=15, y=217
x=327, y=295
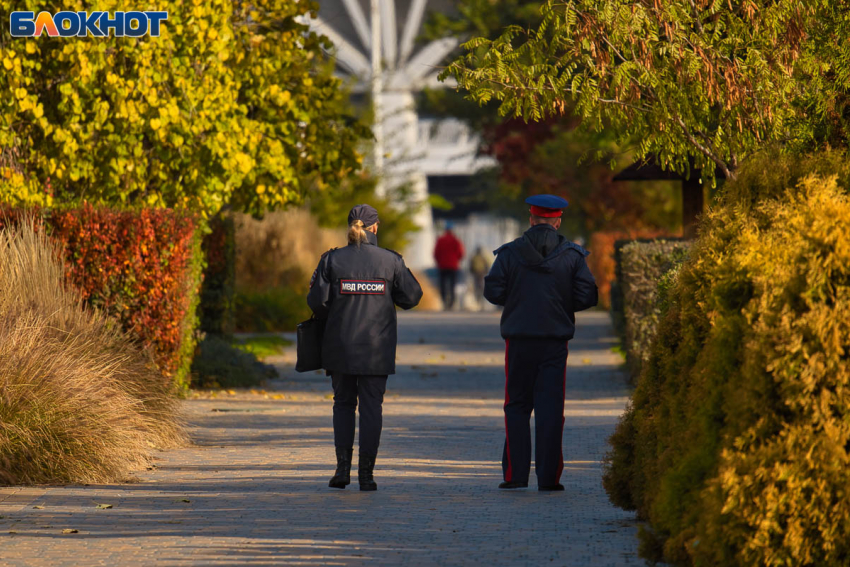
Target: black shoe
x=364, y=473
x=513, y=484
x=342, y=476
x=551, y=488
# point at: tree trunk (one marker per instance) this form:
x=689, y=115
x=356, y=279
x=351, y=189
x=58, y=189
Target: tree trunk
x=692, y=205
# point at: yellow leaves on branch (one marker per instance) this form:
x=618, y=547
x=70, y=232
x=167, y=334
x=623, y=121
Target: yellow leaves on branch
x=201, y=115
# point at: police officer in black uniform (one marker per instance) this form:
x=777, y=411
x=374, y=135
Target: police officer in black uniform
x=356, y=289
x=541, y=279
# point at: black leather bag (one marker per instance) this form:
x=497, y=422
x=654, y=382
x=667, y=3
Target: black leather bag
x=309, y=336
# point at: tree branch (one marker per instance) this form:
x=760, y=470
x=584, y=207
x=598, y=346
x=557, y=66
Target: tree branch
x=696, y=17
x=724, y=167
x=567, y=90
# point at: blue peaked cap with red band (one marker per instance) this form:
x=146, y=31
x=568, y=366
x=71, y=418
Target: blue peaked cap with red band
x=546, y=206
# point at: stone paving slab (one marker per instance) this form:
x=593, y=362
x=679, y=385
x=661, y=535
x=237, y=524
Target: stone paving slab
x=253, y=488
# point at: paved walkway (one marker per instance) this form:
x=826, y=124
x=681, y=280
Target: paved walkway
x=253, y=491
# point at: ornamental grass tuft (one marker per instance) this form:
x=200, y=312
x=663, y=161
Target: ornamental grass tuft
x=79, y=400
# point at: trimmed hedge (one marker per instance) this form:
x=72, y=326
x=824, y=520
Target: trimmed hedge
x=141, y=267
x=217, y=310
x=642, y=266
x=617, y=300
x=272, y=310
x=736, y=446
x=602, y=261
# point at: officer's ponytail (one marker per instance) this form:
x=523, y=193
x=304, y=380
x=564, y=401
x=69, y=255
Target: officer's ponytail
x=356, y=233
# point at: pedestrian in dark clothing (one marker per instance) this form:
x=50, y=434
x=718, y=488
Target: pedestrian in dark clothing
x=447, y=254
x=356, y=289
x=541, y=279
x=478, y=266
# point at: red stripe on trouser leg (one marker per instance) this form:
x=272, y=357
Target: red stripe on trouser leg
x=509, y=473
x=563, y=419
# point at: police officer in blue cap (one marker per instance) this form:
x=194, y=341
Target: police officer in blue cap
x=541, y=279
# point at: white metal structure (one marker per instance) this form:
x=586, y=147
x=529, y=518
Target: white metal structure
x=388, y=60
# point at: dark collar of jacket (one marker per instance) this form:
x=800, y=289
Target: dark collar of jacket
x=544, y=238
x=546, y=235
x=540, y=246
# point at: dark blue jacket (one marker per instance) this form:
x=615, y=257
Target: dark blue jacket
x=356, y=288
x=541, y=279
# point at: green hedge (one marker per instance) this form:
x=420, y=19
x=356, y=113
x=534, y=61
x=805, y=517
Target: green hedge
x=642, y=266
x=271, y=310
x=618, y=301
x=217, y=309
x=735, y=446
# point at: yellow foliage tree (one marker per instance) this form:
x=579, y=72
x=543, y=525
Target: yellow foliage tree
x=232, y=104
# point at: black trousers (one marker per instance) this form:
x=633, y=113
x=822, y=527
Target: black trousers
x=448, y=280
x=535, y=380
x=348, y=388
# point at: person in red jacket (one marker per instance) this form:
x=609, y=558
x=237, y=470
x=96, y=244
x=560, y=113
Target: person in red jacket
x=447, y=254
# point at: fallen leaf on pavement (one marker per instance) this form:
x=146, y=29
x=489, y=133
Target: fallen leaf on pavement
x=69, y=531
x=104, y=506
x=38, y=507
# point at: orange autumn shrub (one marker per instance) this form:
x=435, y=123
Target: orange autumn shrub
x=141, y=267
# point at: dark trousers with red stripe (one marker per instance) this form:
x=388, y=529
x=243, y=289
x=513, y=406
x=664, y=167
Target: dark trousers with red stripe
x=535, y=380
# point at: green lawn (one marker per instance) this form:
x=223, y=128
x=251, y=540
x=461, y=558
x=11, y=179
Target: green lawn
x=262, y=346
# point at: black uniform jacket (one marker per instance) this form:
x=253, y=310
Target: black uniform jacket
x=356, y=288
x=542, y=279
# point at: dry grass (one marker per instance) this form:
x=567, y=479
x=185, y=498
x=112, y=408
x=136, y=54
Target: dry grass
x=282, y=250
x=79, y=402
x=430, y=294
